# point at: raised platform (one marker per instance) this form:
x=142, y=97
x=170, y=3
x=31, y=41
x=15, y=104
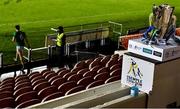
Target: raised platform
x=156, y=52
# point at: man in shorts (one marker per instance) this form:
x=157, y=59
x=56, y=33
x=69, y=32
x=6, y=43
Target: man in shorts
x=20, y=39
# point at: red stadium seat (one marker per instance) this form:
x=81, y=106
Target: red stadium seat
x=61, y=69
x=53, y=96
x=68, y=75
x=28, y=103
x=95, y=83
x=34, y=75
x=102, y=76
x=95, y=68
x=37, y=78
x=25, y=97
x=75, y=70
x=21, y=77
x=6, y=94
x=111, y=62
x=48, y=72
x=59, y=81
x=80, y=64
x=51, y=75
x=9, y=88
x=53, y=78
x=38, y=81
x=18, y=86
x=22, y=81
x=47, y=91
x=75, y=89
x=85, y=81
x=105, y=60
x=82, y=71
x=75, y=77
x=94, y=63
x=90, y=73
x=7, y=80
x=62, y=73
x=42, y=72
x=22, y=90
x=7, y=102
x=113, y=78
x=66, y=86
x=103, y=69
x=114, y=67
x=116, y=72
x=41, y=86
x=7, y=85
x=88, y=62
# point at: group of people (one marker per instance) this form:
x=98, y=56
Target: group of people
x=21, y=40
x=162, y=24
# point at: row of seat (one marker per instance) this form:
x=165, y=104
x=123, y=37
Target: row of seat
x=38, y=87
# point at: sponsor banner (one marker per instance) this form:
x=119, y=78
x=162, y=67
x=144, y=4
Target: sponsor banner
x=139, y=72
x=159, y=53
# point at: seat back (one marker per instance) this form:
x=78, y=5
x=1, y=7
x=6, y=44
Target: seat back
x=95, y=83
x=7, y=102
x=41, y=86
x=22, y=90
x=28, y=103
x=113, y=78
x=66, y=86
x=102, y=76
x=75, y=77
x=25, y=97
x=6, y=94
x=75, y=89
x=59, y=81
x=18, y=86
x=85, y=81
x=53, y=96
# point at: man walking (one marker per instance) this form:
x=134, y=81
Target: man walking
x=20, y=39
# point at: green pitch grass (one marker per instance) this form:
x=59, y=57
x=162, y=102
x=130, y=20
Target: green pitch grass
x=36, y=17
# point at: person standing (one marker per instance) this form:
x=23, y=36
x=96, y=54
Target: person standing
x=60, y=44
x=20, y=39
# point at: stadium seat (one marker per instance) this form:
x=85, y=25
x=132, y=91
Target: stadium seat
x=114, y=67
x=21, y=77
x=80, y=64
x=22, y=90
x=68, y=75
x=7, y=85
x=7, y=102
x=37, y=78
x=115, y=56
x=103, y=69
x=75, y=89
x=28, y=103
x=9, y=88
x=90, y=73
x=7, y=80
x=38, y=81
x=75, y=77
x=53, y=78
x=47, y=91
x=95, y=68
x=53, y=96
x=61, y=69
x=66, y=86
x=94, y=63
x=116, y=72
x=34, y=75
x=88, y=62
x=58, y=81
x=85, y=81
x=26, y=96
x=111, y=62
x=102, y=76
x=95, y=83
x=22, y=81
x=48, y=72
x=62, y=73
x=105, y=60
x=113, y=78
x=76, y=69
x=41, y=86
x=22, y=85
x=82, y=71
x=50, y=75
x=42, y=72
x=6, y=94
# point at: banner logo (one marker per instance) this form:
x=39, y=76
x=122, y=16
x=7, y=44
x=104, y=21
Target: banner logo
x=134, y=75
